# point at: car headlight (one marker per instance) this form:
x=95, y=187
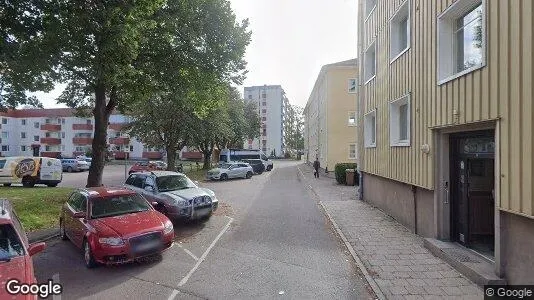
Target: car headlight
x=180, y=202
x=168, y=228
x=111, y=241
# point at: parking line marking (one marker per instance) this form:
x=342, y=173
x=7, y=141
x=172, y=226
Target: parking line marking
x=174, y=293
x=55, y=279
x=186, y=278
x=188, y=252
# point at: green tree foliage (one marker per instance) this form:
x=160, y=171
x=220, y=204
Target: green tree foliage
x=293, y=128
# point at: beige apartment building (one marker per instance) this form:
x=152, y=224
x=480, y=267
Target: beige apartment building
x=447, y=107
x=330, y=116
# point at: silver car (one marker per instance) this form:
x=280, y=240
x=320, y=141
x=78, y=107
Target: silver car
x=231, y=170
x=174, y=194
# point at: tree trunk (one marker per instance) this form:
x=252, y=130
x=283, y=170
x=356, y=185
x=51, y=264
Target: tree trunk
x=171, y=158
x=99, y=151
x=207, y=159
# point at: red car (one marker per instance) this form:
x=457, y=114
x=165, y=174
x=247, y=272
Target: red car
x=114, y=225
x=143, y=166
x=15, y=252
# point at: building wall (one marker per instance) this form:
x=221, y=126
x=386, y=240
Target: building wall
x=315, y=121
x=500, y=91
x=517, y=246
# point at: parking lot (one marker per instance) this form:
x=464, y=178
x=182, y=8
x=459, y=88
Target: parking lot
x=114, y=175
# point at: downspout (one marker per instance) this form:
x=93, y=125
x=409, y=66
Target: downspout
x=414, y=192
x=359, y=102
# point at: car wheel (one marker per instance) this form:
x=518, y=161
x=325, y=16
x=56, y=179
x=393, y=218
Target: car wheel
x=249, y=175
x=69, y=169
x=269, y=168
x=224, y=177
x=28, y=182
x=62, y=232
x=51, y=184
x=7, y=184
x=88, y=255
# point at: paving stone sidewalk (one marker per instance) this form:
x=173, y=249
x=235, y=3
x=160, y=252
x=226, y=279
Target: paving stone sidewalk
x=395, y=258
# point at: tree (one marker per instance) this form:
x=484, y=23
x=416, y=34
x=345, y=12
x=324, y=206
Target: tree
x=252, y=118
x=293, y=128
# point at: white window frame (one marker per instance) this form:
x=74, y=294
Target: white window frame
x=36, y=140
x=368, y=11
x=369, y=77
x=355, y=150
x=352, y=114
x=367, y=131
x=36, y=125
x=355, y=85
x=394, y=122
x=446, y=50
x=23, y=148
x=7, y=148
x=23, y=122
x=25, y=135
x=402, y=12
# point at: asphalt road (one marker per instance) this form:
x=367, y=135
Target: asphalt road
x=269, y=239
x=114, y=175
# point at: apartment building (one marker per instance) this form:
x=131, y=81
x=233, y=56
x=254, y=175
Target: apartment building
x=272, y=104
x=330, y=115
x=446, y=108
x=51, y=132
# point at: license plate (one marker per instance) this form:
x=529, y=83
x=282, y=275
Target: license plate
x=146, y=246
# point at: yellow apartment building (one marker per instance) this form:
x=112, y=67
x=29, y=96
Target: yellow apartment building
x=330, y=116
x=446, y=109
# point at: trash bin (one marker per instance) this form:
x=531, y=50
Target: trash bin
x=350, y=176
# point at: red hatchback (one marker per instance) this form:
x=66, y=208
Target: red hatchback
x=114, y=225
x=15, y=252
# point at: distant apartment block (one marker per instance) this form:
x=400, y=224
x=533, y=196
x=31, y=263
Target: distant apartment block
x=330, y=115
x=272, y=104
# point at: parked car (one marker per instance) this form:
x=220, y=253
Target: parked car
x=114, y=225
x=143, y=166
x=74, y=165
x=160, y=165
x=15, y=251
x=231, y=170
x=88, y=160
x=176, y=195
x=256, y=164
x=30, y=171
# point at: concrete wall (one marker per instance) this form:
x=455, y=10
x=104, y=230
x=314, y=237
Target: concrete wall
x=517, y=248
x=397, y=200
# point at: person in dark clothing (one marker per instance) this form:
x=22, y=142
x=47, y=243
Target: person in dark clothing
x=316, y=166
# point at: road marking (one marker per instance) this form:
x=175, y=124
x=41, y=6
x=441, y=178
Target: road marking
x=55, y=279
x=174, y=293
x=186, y=278
x=188, y=252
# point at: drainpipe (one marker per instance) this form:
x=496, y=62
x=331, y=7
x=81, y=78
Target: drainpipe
x=414, y=193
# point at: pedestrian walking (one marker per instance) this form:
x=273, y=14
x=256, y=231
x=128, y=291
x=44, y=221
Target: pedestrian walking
x=316, y=166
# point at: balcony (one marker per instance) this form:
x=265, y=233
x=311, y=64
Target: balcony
x=152, y=155
x=116, y=126
x=51, y=127
x=82, y=141
x=119, y=141
x=119, y=154
x=50, y=141
x=52, y=154
x=82, y=126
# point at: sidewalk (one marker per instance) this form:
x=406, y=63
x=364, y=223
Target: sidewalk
x=394, y=258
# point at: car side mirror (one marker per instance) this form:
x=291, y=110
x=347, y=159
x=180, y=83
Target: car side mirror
x=79, y=214
x=36, y=248
x=149, y=188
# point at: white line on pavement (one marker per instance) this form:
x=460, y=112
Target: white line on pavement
x=55, y=279
x=186, y=278
x=188, y=252
x=174, y=293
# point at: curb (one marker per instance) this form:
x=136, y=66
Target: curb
x=43, y=235
x=372, y=283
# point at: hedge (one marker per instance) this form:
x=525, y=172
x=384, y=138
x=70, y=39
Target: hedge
x=341, y=174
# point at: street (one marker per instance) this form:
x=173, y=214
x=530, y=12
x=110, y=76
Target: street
x=268, y=239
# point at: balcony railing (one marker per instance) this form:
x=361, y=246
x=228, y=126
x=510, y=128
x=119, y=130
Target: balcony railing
x=82, y=141
x=116, y=126
x=152, y=155
x=50, y=141
x=51, y=127
x=82, y=126
x=119, y=141
x=52, y=154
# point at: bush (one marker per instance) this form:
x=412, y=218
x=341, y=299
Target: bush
x=341, y=174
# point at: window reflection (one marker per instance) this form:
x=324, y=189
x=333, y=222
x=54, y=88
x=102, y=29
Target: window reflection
x=468, y=40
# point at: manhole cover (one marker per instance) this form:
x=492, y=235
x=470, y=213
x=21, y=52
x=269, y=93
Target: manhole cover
x=461, y=256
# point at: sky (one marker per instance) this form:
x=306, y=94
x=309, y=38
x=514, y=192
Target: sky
x=291, y=41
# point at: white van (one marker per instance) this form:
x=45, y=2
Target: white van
x=232, y=155
x=30, y=171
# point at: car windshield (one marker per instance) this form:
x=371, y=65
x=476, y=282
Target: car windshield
x=10, y=244
x=225, y=166
x=118, y=205
x=173, y=182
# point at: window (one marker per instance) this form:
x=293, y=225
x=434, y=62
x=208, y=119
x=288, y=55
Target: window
x=62, y=121
x=370, y=129
x=35, y=138
x=249, y=97
x=47, y=121
x=48, y=135
x=461, y=39
x=353, y=85
x=264, y=133
x=264, y=118
x=63, y=135
x=369, y=7
x=23, y=148
x=399, y=27
x=47, y=148
x=263, y=111
x=352, y=118
x=23, y=135
x=62, y=147
x=35, y=124
x=4, y=121
x=263, y=95
x=399, y=122
x=5, y=148
x=88, y=121
x=23, y=122
x=352, y=151
x=5, y=134
x=264, y=103
x=79, y=149
x=131, y=148
x=370, y=62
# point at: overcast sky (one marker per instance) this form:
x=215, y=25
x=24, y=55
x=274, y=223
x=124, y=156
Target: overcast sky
x=291, y=40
